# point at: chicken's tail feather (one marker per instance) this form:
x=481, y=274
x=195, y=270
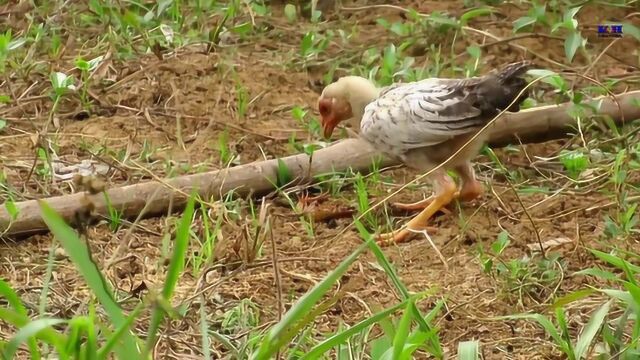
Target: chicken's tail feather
x=497, y=90
x=513, y=71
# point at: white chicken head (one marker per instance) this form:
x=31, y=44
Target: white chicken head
x=345, y=99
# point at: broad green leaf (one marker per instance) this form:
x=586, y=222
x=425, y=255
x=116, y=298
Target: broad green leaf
x=569, y=298
x=466, y=17
x=634, y=291
x=414, y=341
x=523, y=22
x=11, y=207
x=571, y=13
x=399, y=29
x=306, y=44
x=49, y=335
x=572, y=43
x=624, y=296
x=591, y=329
x=131, y=19
x=501, y=243
x=549, y=77
x=606, y=275
x=243, y=28
x=290, y=12
x=474, y=51
x=82, y=64
x=380, y=346
x=468, y=350
x=16, y=44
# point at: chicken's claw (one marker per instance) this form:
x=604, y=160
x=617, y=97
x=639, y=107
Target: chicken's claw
x=396, y=237
x=444, y=194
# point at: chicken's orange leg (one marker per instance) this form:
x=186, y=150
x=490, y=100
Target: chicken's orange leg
x=445, y=190
x=419, y=205
x=471, y=188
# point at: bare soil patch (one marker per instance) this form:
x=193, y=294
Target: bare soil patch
x=138, y=119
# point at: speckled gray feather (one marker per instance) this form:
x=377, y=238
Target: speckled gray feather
x=425, y=113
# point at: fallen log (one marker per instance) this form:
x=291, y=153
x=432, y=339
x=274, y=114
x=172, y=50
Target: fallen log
x=155, y=197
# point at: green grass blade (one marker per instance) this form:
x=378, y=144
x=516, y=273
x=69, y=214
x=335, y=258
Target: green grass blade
x=343, y=336
x=413, y=342
x=607, y=275
x=591, y=329
x=436, y=348
x=542, y=320
x=44, y=293
x=114, y=338
x=29, y=331
x=615, y=261
x=388, y=328
x=565, y=344
x=14, y=300
x=624, y=296
x=569, y=298
x=180, y=250
x=275, y=339
x=49, y=335
x=204, y=329
x=91, y=346
x=173, y=272
x=79, y=254
x=404, y=327
x=468, y=350
x=226, y=343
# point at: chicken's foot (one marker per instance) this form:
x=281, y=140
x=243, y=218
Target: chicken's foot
x=445, y=191
x=471, y=189
x=419, y=205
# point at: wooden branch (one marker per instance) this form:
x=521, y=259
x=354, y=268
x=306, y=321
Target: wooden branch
x=553, y=121
x=259, y=177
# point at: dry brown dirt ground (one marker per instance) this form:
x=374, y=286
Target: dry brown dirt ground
x=140, y=113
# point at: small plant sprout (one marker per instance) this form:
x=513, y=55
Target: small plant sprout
x=574, y=39
x=7, y=45
x=85, y=68
x=575, y=162
x=242, y=100
x=290, y=13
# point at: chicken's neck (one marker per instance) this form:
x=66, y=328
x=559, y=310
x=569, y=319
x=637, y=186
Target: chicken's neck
x=359, y=101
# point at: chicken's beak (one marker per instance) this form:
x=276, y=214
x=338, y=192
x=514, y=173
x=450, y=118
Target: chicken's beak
x=328, y=117
x=328, y=124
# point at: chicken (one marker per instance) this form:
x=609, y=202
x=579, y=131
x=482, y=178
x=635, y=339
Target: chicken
x=422, y=124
